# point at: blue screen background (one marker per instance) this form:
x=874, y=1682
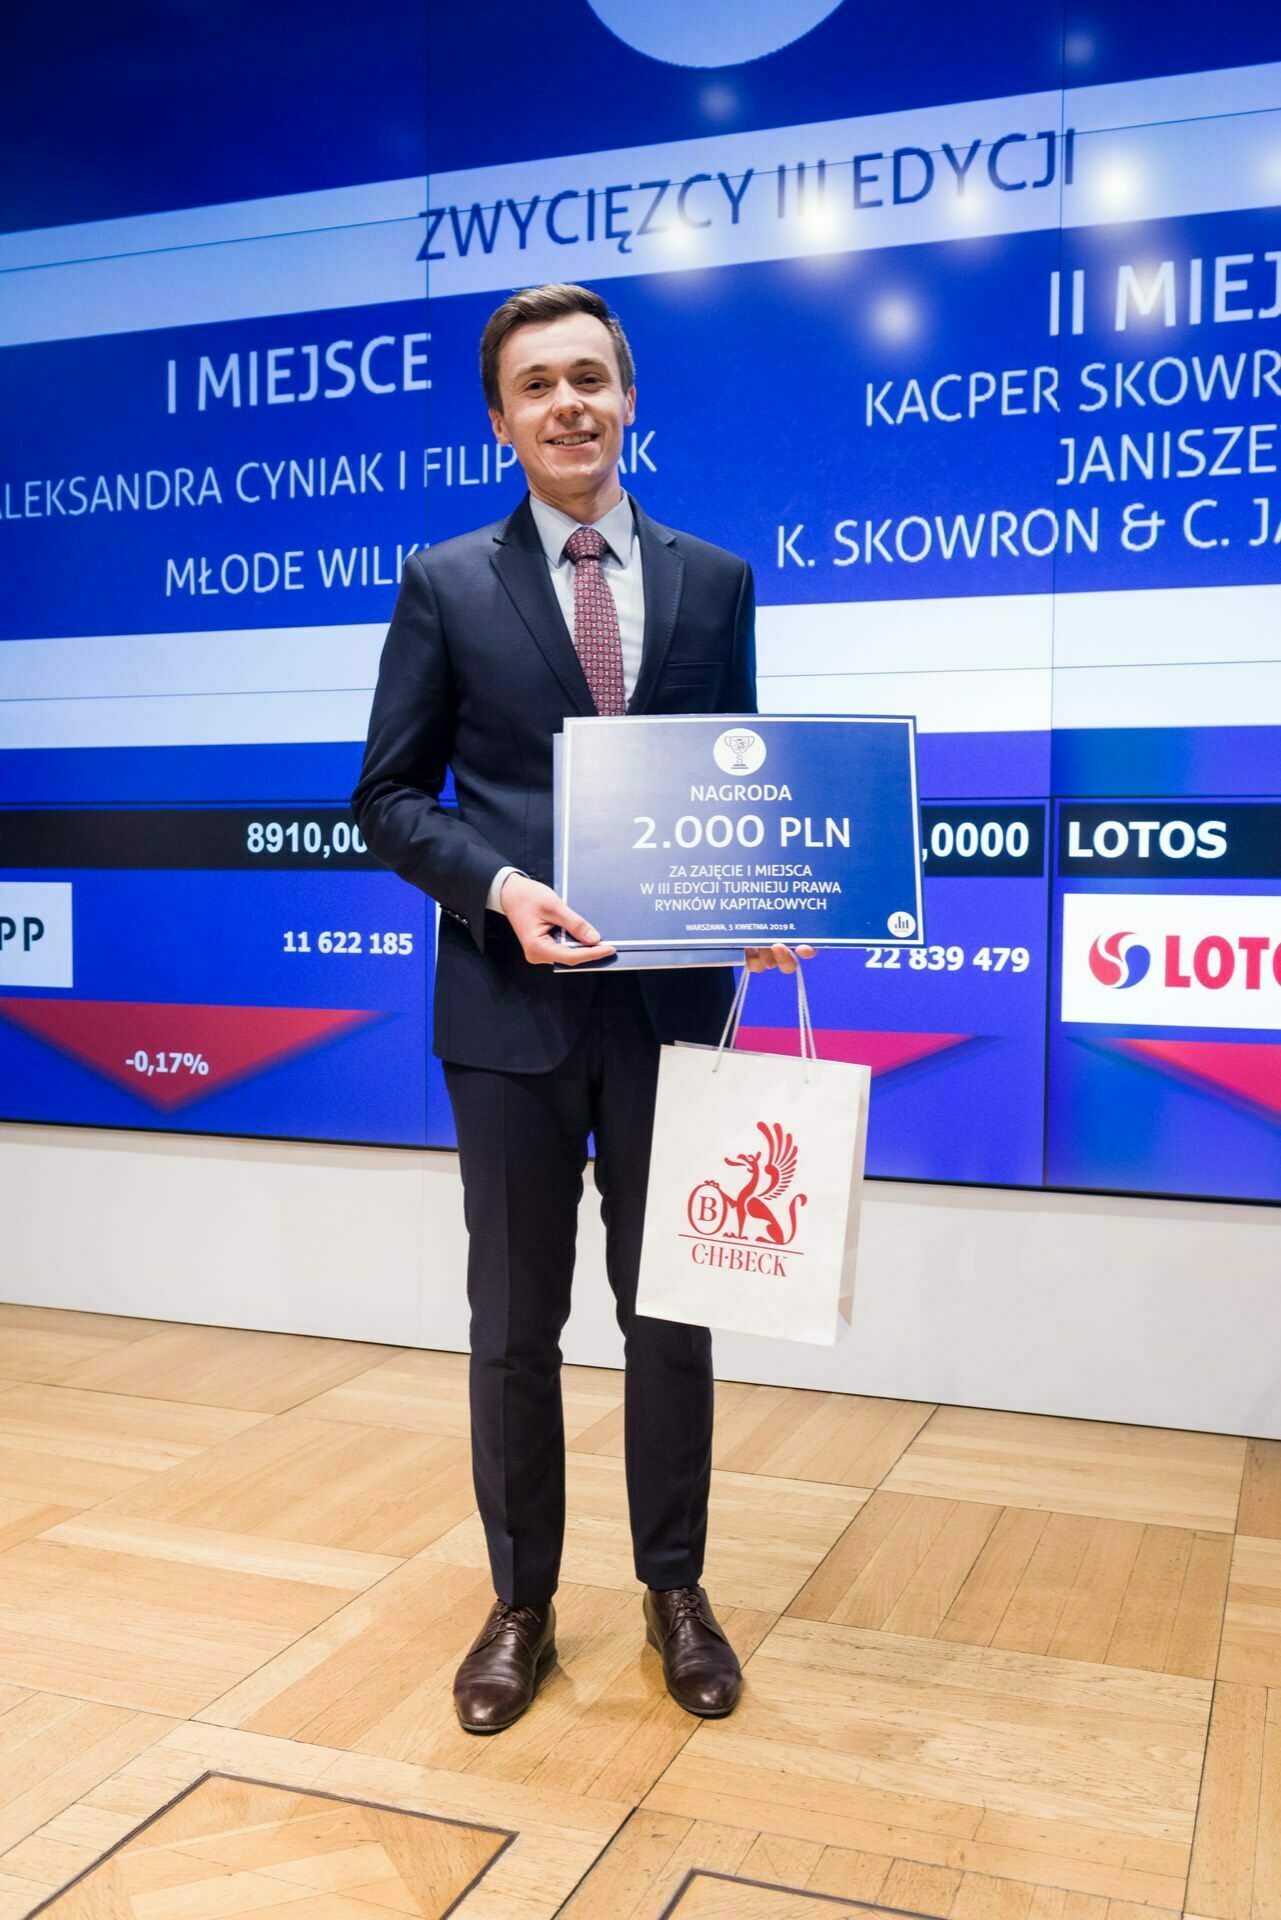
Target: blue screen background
x=228, y=200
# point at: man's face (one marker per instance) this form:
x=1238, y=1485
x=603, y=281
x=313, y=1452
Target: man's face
x=563, y=405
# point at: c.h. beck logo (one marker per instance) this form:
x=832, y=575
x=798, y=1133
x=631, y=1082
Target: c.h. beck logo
x=747, y=1228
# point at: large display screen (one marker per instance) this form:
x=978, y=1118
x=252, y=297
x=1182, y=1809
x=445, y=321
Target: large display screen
x=964, y=329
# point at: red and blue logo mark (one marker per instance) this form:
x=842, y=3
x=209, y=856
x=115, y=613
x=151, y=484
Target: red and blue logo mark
x=1119, y=961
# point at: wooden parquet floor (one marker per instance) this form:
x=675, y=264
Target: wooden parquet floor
x=998, y=1666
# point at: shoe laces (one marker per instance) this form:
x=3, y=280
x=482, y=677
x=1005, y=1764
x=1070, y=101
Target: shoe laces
x=686, y=1603
x=508, y=1619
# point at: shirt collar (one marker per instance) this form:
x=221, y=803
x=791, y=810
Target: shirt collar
x=617, y=528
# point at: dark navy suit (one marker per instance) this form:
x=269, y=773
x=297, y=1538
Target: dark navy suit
x=478, y=674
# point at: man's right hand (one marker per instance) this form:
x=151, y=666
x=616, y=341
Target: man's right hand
x=534, y=910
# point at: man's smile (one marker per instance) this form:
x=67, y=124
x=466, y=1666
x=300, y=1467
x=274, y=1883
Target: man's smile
x=572, y=439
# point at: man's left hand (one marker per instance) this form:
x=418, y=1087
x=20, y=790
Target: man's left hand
x=760, y=959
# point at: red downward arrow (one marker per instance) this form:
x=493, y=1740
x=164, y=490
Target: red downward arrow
x=882, y=1052
x=171, y=1056
x=1233, y=1066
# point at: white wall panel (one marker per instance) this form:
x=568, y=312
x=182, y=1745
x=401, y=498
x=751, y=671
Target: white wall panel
x=1156, y=1312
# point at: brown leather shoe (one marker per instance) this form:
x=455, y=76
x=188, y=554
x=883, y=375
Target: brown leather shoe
x=699, y=1664
x=504, y=1666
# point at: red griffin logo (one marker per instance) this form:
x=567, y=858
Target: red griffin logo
x=769, y=1174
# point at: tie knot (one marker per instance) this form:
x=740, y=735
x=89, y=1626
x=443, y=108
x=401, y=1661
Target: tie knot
x=585, y=543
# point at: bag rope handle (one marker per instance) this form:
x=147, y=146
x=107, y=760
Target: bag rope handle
x=733, y=1019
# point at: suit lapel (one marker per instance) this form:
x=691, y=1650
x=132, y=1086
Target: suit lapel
x=520, y=563
x=663, y=571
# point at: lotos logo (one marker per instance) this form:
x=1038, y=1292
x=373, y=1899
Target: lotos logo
x=1204, y=960
x=755, y=1211
x=1119, y=961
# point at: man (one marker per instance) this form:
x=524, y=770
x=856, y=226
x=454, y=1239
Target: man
x=577, y=603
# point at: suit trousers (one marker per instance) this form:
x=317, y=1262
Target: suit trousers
x=523, y=1142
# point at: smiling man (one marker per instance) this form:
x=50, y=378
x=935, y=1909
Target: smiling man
x=577, y=603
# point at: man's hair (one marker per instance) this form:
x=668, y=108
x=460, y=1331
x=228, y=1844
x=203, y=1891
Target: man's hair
x=532, y=304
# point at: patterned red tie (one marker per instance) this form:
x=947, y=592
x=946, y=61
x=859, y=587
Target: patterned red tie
x=596, y=635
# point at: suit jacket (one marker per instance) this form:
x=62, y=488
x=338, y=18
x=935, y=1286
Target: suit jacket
x=478, y=673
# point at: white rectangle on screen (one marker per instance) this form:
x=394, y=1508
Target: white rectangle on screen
x=35, y=933
x=1172, y=960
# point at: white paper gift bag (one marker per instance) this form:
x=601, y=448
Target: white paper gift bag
x=755, y=1177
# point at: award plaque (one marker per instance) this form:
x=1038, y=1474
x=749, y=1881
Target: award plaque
x=685, y=838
